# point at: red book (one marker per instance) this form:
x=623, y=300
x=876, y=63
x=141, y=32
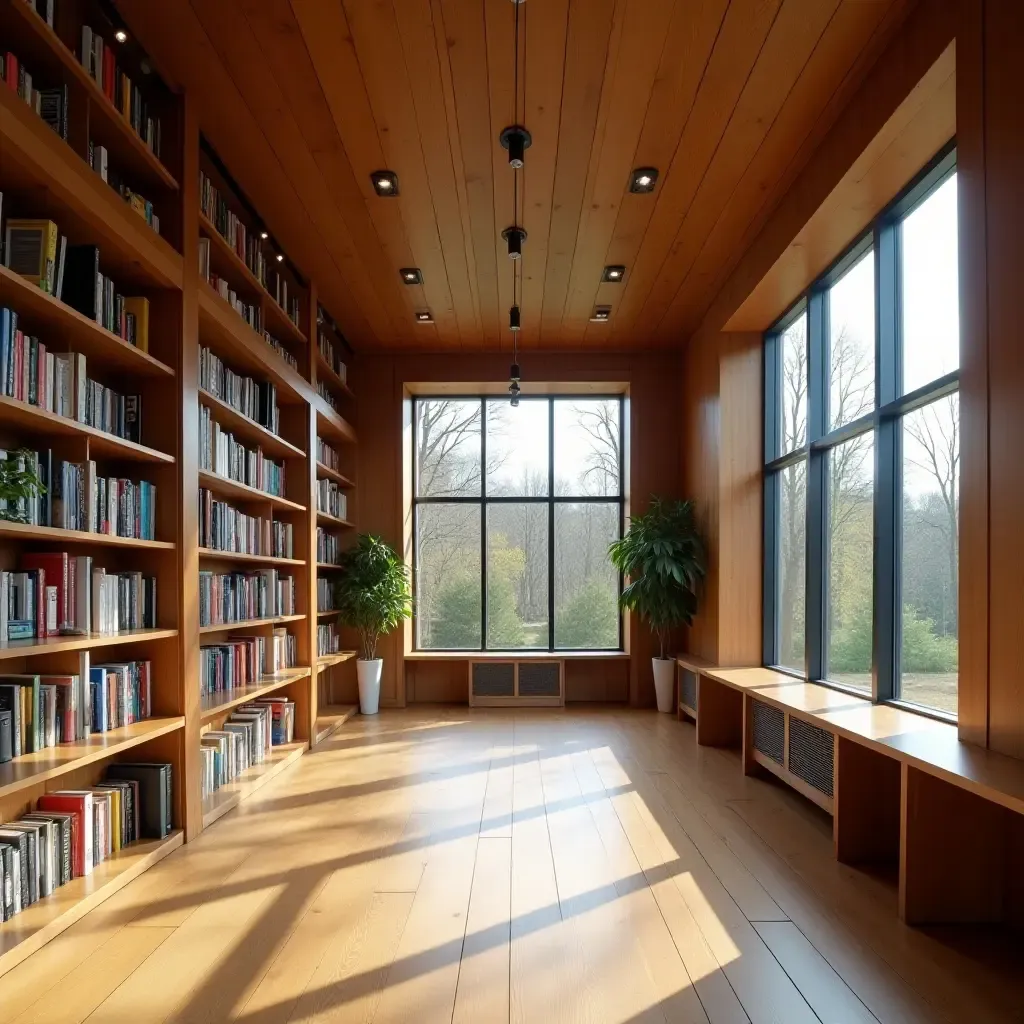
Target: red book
x=11, y=71
x=79, y=805
x=55, y=570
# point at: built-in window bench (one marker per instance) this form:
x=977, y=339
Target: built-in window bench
x=901, y=787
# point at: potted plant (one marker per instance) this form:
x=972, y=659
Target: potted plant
x=19, y=485
x=373, y=597
x=662, y=558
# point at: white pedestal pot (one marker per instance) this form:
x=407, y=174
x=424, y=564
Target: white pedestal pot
x=664, y=682
x=368, y=673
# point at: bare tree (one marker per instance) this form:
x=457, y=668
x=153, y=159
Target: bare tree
x=444, y=468
x=600, y=421
x=935, y=431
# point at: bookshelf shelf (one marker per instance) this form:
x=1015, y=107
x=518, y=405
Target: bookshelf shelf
x=236, y=556
x=63, y=187
x=233, y=793
x=215, y=704
x=327, y=660
x=41, y=766
x=271, y=443
x=51, y=319
x=109, y=128
x=326, y=473
x=40, y=421
x=327, y=565
x=222, y=627
x=327, y=615
x=324, y=519
x=279, y=323
x=38, y=924
x=325, y=372
x=331, y=718
x=222, y=485
x=53, y=534
x=58, y=644
x=233, y=336
x=331, y=424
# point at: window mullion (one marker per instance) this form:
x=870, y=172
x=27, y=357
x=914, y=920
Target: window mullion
x=483, y=524
x=816, y=592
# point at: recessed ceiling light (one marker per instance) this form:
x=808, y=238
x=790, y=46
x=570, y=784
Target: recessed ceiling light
x=264, y=235
x=424, y=316
x=280, y=257
x=385, y=183
x=643, y=179
x=614, y=273
x=121, y=36
x=601, y=315
x=411, y=275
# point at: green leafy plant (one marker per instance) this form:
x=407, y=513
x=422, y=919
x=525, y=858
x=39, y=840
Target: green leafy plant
x=373, y=591
x=662, y=557
x=19, y=484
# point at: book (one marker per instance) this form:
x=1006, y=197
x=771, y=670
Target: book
x=30, y=251
x=137, y=308
x=155, y=793
x=79, y=805
x=82, y=280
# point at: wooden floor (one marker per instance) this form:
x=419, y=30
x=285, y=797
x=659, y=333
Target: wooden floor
x=447, y=865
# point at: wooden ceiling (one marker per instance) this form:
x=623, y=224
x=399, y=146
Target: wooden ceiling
x=303, y=99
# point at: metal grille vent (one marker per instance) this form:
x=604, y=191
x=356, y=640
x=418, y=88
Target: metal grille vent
x=688, y=688
x=811, y=754
x=538, y=679
x=769, y=730
x=494, y=679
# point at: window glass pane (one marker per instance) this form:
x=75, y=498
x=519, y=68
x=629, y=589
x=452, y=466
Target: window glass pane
x=517, y=448
x=587, y=447
x=517, y=575
x=794, y=385
x=448, y=604
x=931, y=511
x=447, y=450
x=850, y=540
x=586, y=583
x=931, y=312
x=792, y=540
x=851, y=319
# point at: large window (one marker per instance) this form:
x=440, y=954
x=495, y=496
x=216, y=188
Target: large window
x=514, y=510
x=863, y=459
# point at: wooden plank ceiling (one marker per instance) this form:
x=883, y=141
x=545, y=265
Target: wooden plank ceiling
x=304, y=98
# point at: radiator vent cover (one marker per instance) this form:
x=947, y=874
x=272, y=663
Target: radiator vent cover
x=539, y=679
x=811, y=754
x=769, y=731
x=494, y=679
x=688, y=688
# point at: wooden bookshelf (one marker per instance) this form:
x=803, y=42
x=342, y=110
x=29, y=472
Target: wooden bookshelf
x=331, y=718
x=325, y=661
x=43, y=176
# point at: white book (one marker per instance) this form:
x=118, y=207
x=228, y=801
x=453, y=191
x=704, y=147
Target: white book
x=87, y=50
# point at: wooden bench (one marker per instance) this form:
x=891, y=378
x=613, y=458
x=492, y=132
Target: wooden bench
x=902, y=788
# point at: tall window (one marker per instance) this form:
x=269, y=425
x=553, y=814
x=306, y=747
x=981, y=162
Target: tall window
x=863, y=458
x=514, y=510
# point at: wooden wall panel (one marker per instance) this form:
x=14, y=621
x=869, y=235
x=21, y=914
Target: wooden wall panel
x=436, y=682
x=654, y=430
x=722, y=460
x=601, y=681
x=1004, y=204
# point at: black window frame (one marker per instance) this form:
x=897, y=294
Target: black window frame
x=883, y=237
x=551, y=500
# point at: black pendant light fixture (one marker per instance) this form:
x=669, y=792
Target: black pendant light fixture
x=517, y=140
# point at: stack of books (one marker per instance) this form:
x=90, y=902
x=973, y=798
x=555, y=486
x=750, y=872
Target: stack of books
x=280, y=350
x=232, y=229
x=324, y=391
x=330, y=354
x=120, y=694
x=221, y=453
x=50, y=104
x=99, y=61
x=280, y=293
x=327, y=639
x=99, y=161
x=72, y=831
x=283, y=652
x=325, y=601
x=42, y=710
x=235, y=597
x=330, y=498
x=327, y=456
x=239, y=661
x=222, y=527
x=244, y=740
x=57, y=593
x=328, y=547
x=254, y=399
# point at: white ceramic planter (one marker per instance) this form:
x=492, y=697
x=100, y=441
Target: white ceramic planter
x=664, y=682
x=368, y=673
